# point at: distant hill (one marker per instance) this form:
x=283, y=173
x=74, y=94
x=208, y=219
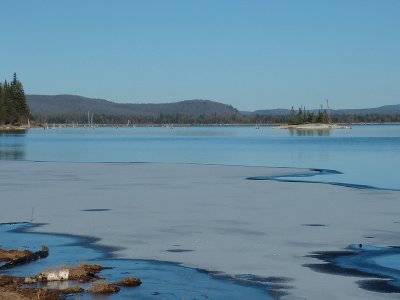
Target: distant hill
x=384, y=110
x=271, y=112
x=67, y=105
x=70, y=104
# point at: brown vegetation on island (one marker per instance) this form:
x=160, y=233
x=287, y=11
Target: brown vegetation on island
x=18, y=257
x=13, y=254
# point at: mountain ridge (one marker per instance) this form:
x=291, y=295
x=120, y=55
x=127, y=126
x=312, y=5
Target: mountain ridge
x=385, y=109
x=70, y=104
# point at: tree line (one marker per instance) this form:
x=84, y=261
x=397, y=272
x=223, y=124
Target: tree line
x=15, y=111
x=215, y=119
x=304, y=117
x=13, y=107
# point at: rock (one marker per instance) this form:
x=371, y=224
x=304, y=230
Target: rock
x=84, y=272
x=102, y=287
x=57, y=275
x=129, y=282
x=30, y=280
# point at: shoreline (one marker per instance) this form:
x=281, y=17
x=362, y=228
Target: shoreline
x=272, y=125
x=272, y=287
x=232, y=225
x=13, y=128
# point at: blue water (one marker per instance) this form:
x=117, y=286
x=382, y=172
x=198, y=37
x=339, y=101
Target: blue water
x=366, y=155
x=374, y=260
x=159, y=280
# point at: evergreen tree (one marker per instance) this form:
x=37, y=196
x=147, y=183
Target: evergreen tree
x=19, y=99
x=1, y=95
x=13, y=107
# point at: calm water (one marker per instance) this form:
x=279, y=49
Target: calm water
x=366, y=155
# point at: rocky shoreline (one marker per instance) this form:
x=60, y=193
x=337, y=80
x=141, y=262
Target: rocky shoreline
x=21, y=288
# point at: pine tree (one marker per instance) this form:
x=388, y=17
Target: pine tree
x=19, y=98
x=1, y=95
x=13, y=107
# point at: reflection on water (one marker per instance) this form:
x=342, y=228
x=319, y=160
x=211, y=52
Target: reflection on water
x=309, y=132
x=12, y=144
x=9, y=132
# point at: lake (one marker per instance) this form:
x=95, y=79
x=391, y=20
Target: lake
x=365, y=155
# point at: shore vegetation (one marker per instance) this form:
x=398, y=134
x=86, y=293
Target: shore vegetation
x=184, y=119
x=13, y=107
x=306, y=117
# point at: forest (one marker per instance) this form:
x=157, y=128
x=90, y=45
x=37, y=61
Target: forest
x=210, y=119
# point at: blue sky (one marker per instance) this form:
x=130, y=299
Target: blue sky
x=251, y=54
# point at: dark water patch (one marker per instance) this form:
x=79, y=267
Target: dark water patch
x=287, y=178
x=238, y=231
x=333, y=269
x=326, y=171
x=161, y=280
x=380, y=286
x=14, y=223
x=315, y=225
x=96, y=209
x=278, y=285
x=11, y=154
x=309, y=132
x=381, y=264
x=260, y=279
x=12, y=146
x=179, y=250
x=232, y=222
x=10, y=132
x=299, y=175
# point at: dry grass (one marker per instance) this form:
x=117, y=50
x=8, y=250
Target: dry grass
x=10, y=255
x=12, y=296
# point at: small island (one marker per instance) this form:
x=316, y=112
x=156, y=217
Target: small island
x=306, y=120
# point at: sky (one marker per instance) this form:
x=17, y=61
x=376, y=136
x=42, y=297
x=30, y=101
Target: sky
x=252, y=54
